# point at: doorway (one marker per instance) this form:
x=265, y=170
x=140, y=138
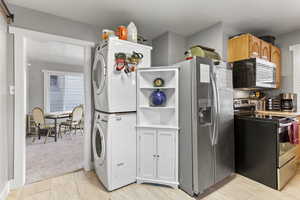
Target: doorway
x=54, y=112
x=52, y=104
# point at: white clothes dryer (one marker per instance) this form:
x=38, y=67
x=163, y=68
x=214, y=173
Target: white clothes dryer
x=114, y=149
x=115, y=91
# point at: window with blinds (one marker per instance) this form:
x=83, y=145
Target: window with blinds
x=63, y=91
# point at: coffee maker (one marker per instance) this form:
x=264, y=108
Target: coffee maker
x=288, y=102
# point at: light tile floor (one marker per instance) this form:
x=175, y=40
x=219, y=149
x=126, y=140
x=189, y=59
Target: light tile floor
x=85, y=186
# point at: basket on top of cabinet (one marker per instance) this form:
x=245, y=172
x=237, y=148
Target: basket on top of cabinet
x=247, y=46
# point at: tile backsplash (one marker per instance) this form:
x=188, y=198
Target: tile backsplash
x=240, y=94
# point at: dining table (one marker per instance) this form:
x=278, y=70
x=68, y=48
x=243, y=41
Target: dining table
x=56, y=116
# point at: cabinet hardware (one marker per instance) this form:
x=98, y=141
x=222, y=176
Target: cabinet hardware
x=118, y=118
x=120, y=164
x=12, y=90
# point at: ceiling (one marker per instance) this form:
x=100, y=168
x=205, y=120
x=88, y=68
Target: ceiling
x=154, y=17
x=54, y=52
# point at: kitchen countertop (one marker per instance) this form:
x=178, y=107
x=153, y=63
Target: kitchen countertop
x=280, y=113
x=261, y=117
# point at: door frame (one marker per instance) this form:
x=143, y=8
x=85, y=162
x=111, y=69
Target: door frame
x=20, y=41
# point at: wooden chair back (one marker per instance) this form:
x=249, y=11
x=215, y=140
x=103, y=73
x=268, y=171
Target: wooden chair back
x=38, y=117
x=77, y=114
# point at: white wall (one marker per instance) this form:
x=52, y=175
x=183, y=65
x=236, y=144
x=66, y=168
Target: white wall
x=177, y=47
x=44, y=22
x=160, y=51
x=284, y=42
x=168, y=49
x=210, y=37
x=3, y=106
x=36, y=80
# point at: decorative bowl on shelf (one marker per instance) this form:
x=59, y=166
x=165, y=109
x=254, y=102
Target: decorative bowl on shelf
x=158, y=98
x=158, y=82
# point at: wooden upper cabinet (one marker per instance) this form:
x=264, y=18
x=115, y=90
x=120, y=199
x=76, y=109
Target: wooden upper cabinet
x=248, y=46
x=265, y=51
x=243, y=47
x=276, y=58
x=254, y=47
x=238, y=48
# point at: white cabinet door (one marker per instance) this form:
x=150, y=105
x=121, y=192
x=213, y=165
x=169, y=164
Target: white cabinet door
x=147, y=153
x=166, y=150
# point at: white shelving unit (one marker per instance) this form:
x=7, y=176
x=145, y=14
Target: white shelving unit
x=157, y=128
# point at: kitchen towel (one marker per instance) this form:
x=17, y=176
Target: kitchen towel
x=294, y=137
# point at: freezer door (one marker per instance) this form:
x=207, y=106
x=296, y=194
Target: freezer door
x=224, y=138
x=204, y=112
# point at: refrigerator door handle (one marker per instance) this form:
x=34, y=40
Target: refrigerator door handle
x=215, y=113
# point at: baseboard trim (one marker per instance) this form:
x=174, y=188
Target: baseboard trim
x=89, y=166
x=173, y=184
x=4, y=193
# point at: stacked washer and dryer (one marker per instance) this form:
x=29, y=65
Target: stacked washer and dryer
x=114, y=133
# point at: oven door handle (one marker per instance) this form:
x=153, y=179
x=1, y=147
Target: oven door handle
x=285, y=125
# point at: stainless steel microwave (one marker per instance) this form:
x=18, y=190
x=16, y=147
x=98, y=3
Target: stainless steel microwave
x=254, y=73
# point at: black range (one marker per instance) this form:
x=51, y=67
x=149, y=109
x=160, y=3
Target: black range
x=263, y=150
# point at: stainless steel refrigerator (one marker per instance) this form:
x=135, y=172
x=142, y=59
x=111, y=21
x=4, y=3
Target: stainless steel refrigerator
x=206, y=139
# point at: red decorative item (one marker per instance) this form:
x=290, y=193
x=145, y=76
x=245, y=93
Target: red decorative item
x=120, y=61
x=122, y=33
x=120, y=67
x=132, y=68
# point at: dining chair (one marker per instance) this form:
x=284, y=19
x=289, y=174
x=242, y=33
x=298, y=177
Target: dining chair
x=40, y=124
x=74, y=123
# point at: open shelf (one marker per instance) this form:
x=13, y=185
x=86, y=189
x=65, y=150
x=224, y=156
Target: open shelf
x=144, y=97
x=166, y=115
x=157, y=126
x=147, y=77
x=157, y=107
x=154, y=88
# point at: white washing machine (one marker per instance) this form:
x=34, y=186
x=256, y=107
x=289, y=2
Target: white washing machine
x=114, y=149
x=115, y=91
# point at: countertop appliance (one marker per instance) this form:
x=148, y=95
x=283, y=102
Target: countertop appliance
x=263, y=150
x=273, y=104
x=206, y=138
x=243, y=106
x=248, y=105
x=254, y=73
x=288, y=102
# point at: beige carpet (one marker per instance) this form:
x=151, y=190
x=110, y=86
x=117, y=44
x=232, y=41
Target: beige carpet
x=53, y=158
